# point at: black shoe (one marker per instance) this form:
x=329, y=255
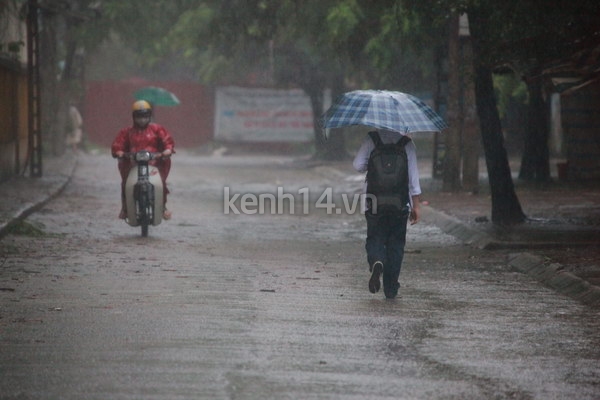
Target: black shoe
x=374, y=282
x=391, y=292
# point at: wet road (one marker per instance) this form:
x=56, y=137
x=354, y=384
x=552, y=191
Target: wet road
x=271, y=304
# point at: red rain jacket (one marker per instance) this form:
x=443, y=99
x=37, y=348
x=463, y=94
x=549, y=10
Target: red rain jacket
x=154, y=138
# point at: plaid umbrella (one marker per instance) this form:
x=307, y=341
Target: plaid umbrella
x=395, y=111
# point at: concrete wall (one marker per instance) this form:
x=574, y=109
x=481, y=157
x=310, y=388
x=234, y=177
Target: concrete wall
x=107, y=109
x=13, y=91
x=13, y=120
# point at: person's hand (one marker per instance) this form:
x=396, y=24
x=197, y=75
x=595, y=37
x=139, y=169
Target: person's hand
x=119, y=154
x=415, y=211
x=167, y=153
x=414, y=215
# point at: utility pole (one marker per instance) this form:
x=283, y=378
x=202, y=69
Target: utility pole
x=34, y=86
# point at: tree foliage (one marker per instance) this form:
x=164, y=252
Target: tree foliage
x=348, y=44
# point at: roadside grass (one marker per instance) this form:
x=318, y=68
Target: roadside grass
x=25, y=228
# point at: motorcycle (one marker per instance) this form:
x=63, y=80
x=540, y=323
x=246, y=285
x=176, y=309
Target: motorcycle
x=144, y=196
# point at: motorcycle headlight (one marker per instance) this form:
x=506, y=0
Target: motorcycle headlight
x=142, y=156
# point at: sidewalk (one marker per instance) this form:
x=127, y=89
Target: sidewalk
x=559, y=245
x=21, y=195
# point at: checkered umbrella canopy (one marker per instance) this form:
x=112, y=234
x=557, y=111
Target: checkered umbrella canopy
x=395, y=111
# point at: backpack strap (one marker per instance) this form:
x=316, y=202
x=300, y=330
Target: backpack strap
x=375, y=138
x=403, y=141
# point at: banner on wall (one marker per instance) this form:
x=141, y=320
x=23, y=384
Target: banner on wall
x=263, y=115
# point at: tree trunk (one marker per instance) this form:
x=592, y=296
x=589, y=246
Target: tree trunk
x=535, y=162
x=506, y=208
x=333, y=148
x=452, y=156
x=471, y=145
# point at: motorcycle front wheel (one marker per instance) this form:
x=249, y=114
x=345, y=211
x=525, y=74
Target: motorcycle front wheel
x=143, y=207
x=144, y=230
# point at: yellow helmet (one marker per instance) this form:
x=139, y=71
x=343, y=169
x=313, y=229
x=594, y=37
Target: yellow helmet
x=141, y=108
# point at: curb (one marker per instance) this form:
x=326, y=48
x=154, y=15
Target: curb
x=555, y=277
x=36, y=203
x=455, y=227
x=550, y=275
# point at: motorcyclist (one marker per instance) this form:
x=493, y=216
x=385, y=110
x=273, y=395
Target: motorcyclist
x=143, y=135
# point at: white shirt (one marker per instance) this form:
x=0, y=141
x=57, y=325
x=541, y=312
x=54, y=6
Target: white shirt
x=361, y=160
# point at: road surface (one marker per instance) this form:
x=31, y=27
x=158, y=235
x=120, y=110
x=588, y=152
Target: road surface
x=237, y=297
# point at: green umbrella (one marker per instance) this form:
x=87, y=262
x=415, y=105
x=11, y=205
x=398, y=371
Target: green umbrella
x=156, y=96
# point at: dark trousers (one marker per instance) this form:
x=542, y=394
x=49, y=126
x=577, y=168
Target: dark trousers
x=386, y=237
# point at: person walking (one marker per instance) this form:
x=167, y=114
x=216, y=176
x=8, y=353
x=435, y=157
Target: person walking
x=143, y=135
x=386, y=225
x=75, y=133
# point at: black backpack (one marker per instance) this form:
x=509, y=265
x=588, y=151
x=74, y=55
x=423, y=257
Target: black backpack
x=387, y=175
